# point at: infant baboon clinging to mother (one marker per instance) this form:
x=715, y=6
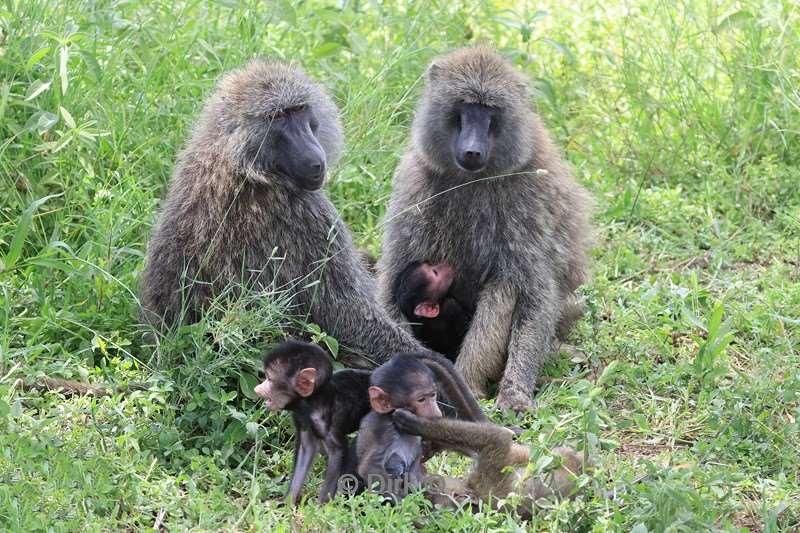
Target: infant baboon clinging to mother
x=483, y=188
x=244, y=208
x=437, y=319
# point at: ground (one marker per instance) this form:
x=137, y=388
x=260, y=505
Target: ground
x=680, y=117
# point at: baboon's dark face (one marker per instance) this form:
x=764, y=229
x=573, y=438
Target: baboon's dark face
x=297, y=154
x=472, y=136
x=421, y=396
x=288, y=148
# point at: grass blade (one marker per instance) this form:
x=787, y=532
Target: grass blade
x=21, y=233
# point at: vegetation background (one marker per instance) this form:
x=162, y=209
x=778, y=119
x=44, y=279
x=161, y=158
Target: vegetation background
x=683, y=118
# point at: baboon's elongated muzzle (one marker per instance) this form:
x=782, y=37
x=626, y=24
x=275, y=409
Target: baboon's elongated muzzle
x=302, y=157
x=472, y=140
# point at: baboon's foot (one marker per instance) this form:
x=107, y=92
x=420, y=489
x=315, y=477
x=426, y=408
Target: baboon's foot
x=516, y=400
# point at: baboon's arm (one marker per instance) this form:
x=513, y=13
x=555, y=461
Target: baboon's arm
x=491, y=443
x=346, y=305
x=454, y=387
x=306, y=448
x=483, y=352
x=363, y=328
x=453, y=434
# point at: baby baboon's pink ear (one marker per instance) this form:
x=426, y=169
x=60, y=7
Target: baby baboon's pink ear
x=427, y=310
x=306, y=382
x=379, y=400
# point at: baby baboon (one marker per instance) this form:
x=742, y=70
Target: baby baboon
x=387, y=458
x=437, y=319
x=326, y=407
x=244, y=208
x=408, y=381
x=483, y=188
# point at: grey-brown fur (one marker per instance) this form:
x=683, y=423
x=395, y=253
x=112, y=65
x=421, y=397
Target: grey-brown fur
x=517, y=232
x=228, y=219
x=494, y=474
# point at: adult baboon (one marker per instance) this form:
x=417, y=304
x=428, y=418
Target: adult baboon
x=244, y=208
x=482, y=188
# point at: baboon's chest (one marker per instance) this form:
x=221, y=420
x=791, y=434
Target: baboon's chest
x=469, y=236
x=480, y=233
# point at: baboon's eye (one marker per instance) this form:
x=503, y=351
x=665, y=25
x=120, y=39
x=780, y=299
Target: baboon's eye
x=494, y=122
x=297, y=108
x=455, y=118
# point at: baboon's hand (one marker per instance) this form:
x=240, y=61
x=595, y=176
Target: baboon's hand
x=515, y=400
x=395, y=466
x=407, y=422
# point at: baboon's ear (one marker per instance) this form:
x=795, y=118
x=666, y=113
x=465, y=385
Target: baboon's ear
x=306, y=382
x=434, y=72
x=379, y=400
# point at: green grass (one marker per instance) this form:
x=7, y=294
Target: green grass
x=683, y=118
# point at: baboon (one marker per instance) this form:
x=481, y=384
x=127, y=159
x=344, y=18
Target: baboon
x=483, y=188
x=437, y=319
x=490, y=478
x=387, y=458
x=245, y=209
x=407, y=381
x=326, y=407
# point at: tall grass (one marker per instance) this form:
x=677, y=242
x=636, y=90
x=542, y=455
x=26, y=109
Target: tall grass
x=681, y=117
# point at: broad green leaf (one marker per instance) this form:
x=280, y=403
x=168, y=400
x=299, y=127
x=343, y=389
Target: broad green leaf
x=544, y=88
x=543, y=462
x=41, y=121
x=284, y=11
x=247, y=383
x=332, y=344
x=70, y=122
x=100, y=344
x=608, y=373
x=566, y=52
x=715, y=321
x=39, y=54
x=509, y=22
x=91, y=63
x=235, y=433
x=733, y=20
x=36, y=88
x=5, y=90
x=326, y=49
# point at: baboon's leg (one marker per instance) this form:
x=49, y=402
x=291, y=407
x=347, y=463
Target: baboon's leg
x=531, y=342
x=483, y=353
